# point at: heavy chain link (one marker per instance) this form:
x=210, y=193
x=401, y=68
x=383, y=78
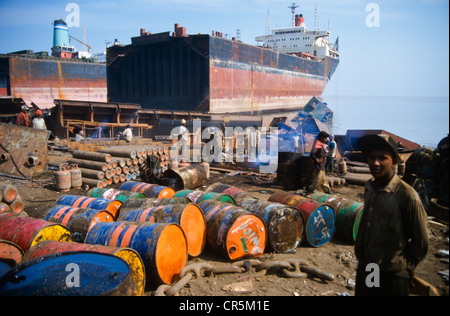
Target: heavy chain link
x=290, y=268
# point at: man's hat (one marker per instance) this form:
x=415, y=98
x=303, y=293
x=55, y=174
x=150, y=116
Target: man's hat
x=369, y=143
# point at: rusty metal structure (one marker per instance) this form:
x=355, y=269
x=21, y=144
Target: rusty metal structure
x=41, y=79
x=209, y=73
x=106, y=119
x=23, y=150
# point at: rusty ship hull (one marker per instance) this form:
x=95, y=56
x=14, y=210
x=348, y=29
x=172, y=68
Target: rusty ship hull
x=43, y=80
x=212, y=74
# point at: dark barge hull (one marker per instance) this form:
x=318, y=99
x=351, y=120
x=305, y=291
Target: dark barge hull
x=212, y=74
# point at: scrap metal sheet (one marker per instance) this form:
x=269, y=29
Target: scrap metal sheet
x=21, y=143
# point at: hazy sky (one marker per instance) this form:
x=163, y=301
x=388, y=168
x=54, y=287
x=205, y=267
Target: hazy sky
x=406, y=54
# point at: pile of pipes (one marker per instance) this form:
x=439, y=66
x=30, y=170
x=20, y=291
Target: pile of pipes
x=10, y=200
x=118, y=164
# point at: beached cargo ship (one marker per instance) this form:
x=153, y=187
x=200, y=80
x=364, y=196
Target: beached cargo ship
x=40, y=79
x=210, y=73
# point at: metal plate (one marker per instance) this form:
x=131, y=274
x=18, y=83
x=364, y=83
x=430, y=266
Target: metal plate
x=21, y=143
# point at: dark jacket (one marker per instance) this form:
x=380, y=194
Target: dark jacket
x=319, y=155
x=393, y=228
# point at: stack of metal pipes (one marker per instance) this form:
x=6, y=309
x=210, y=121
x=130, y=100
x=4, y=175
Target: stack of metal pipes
x=117, y=164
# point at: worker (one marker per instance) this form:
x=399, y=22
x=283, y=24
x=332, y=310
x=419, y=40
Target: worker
x=79, y=136
x=183, y=137
x=319, y=156
x=127, y=134
x=331, y=155
x=38, y=121
x=392, y=238
x=23, y=119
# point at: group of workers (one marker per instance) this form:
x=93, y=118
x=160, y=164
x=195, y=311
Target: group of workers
x=23, y=119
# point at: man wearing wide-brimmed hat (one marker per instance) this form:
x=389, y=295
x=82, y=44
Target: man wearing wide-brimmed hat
x=392, y=237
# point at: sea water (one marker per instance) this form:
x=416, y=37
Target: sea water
x=423, y=120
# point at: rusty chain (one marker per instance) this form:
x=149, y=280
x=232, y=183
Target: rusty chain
x=290, y=268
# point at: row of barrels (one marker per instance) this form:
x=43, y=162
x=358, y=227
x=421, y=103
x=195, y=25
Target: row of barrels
x=323, y=215
x=162, y=233
x=159, y=229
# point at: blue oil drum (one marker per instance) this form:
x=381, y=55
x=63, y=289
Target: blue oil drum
x=77, y=220
x=68, y=274
x=91, y=202
x=162, y=247
x=150, y=190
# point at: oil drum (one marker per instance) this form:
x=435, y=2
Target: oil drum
x=27, y=231
x=77, y=220
x=150, y=190
x=285, y=224
x=112, y=207
x=162, y=247
x=131, y=257
x=237, y=194
x=197, y=196
x=10, y=252
x=233, y=231
x=319, y=217
x=188, y=216
x=187, y=178
x=348, y=214
x=151, y=202
x=112, y=194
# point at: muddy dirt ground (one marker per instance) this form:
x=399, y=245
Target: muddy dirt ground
x=336, y=257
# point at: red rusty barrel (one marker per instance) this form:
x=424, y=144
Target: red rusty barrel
x=319, y=217
x=233, y=231
x=150, y=190
x=162, y=247
x=10, y=252
x=77, y=220
x=27, y=231
x=188, y=216
x=131, y=257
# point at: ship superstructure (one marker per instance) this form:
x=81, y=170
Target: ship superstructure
x=297, y=40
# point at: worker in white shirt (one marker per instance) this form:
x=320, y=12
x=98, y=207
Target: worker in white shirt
x=38, y=121
x=127, y=134
x=79, y=136
x=182, y=136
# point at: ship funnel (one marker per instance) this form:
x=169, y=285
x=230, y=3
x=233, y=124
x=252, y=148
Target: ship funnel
x=60, y=34
x=299, y=20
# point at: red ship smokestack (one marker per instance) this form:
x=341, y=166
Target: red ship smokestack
x=299, y=20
